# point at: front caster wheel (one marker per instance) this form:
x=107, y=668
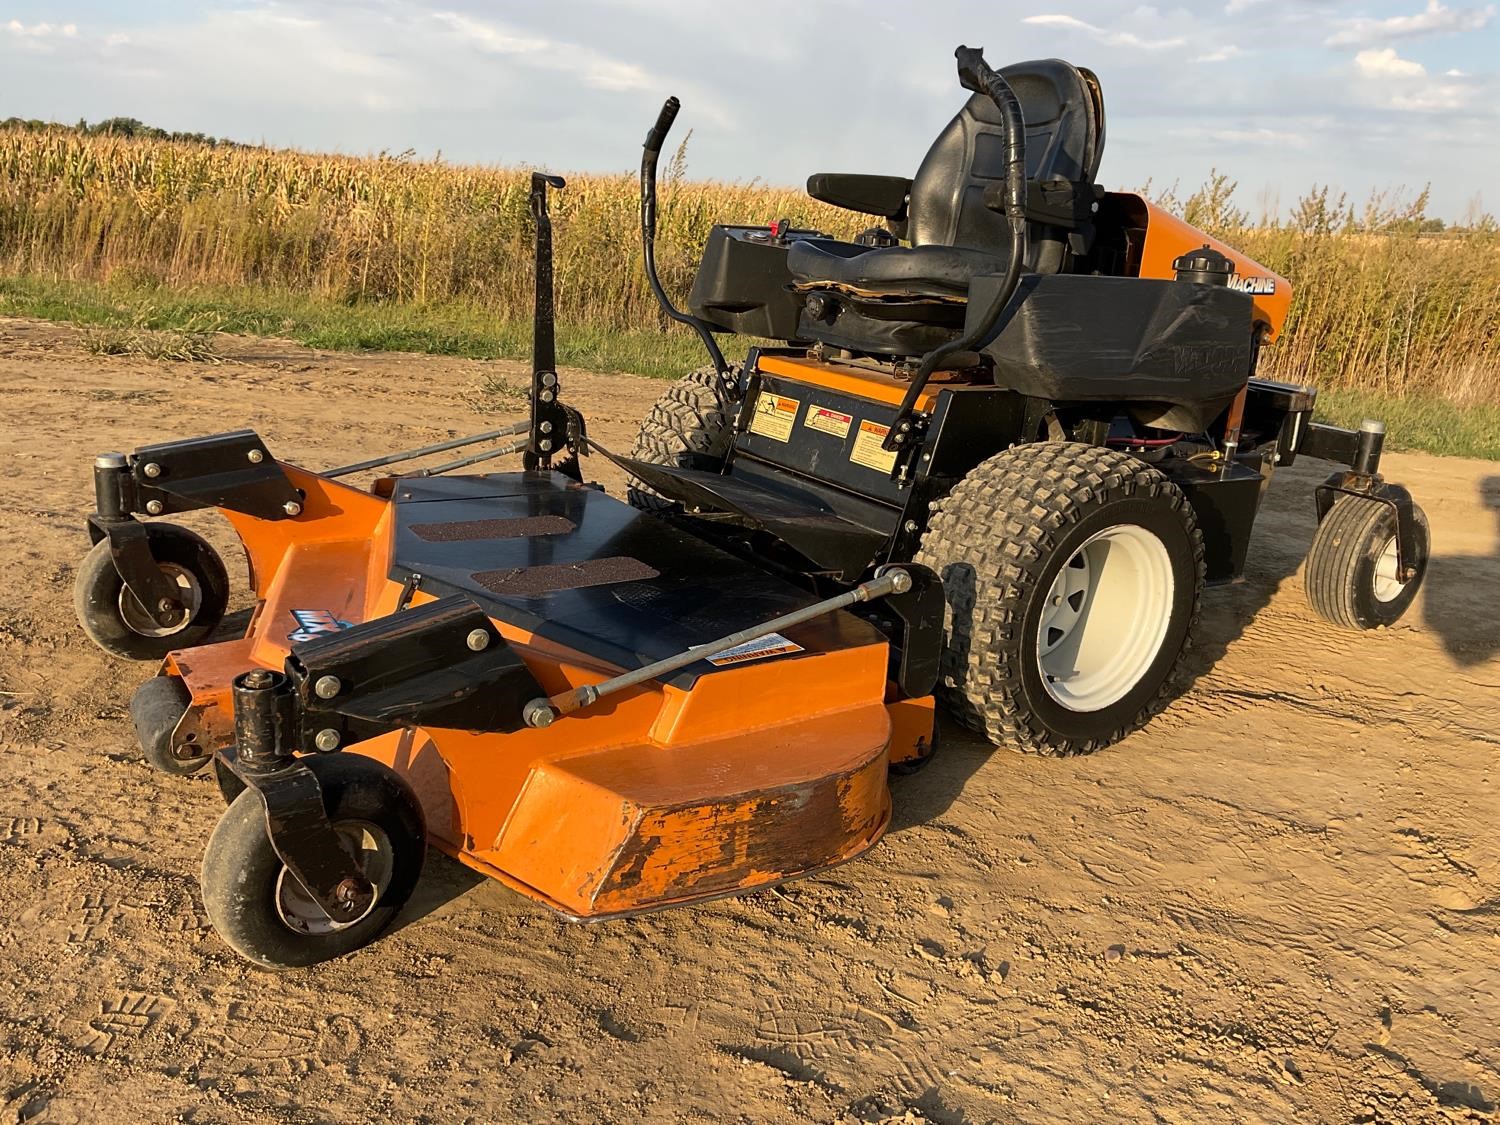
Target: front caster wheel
x=1352, y=573
x=117, y=623
x=260, y=909
x=156, y=708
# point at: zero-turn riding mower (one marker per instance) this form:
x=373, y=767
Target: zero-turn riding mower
x=997, y=463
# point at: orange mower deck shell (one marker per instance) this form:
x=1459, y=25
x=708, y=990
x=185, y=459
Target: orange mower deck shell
x=761, y=772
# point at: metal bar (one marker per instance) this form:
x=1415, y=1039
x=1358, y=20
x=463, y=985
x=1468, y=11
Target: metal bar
x=413, y=454
x=541, y=712
x=472, y=459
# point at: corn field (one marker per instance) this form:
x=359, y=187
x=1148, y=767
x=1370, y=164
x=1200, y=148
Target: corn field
x=1378, y=306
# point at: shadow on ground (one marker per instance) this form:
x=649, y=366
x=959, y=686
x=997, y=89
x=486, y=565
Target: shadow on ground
x=1461, y=592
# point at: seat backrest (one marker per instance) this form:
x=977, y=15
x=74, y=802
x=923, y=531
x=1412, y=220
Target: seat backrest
x=1064, y=113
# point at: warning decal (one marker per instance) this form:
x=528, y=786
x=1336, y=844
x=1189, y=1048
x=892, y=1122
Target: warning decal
x=829, y=421
x=774, y=415
x=867, y=449
x=772, y=644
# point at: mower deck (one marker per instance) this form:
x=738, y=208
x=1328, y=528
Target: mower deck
x=734, y=772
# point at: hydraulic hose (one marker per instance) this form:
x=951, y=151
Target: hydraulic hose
x=976, y=74
x=652, y=151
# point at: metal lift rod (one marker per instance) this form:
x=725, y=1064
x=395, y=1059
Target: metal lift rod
x=413, y=454
x=473, y=459
x=541, y=712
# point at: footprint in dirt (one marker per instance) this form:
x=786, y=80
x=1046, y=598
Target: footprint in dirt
x=258, y=1038
x=124, y=1017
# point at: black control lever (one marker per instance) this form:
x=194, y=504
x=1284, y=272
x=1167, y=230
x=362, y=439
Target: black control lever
x=976, y=74
x=652, y=150
x=658, y=134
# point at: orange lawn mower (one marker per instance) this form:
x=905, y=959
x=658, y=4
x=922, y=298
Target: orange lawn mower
x=1008, y=437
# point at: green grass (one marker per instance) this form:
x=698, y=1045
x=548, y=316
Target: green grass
x=449, y=329
x=1430, y=424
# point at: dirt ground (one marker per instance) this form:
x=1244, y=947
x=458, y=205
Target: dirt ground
x=1280, y=902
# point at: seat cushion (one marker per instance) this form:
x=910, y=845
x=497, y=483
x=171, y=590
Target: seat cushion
x=899, y=270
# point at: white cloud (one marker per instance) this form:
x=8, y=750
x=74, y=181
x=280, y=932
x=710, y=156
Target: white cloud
x=598, y=70
x=1385, y=63
x=1219, y=54
x=1435, y=19
x=41, y=30
x=1103, y=35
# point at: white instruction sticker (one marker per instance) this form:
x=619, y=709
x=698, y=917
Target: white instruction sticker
x=772, y=644
x=867, y=447
x=774, y=415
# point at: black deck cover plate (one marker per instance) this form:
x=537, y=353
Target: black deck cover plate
x=696, y=594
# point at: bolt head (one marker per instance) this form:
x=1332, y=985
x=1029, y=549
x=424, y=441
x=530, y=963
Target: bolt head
x=255, y=456
x=258, y=678
x=326, y=687
x=545, y=444
x=545, y=427
x=292, y=508
x=478, y=640
x=910, y=525
x=153, y=507
x=152, y=469
x=326, y=739
x=549, y=379
x=546, y=396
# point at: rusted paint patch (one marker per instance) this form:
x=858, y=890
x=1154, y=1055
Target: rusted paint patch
x=699, y=850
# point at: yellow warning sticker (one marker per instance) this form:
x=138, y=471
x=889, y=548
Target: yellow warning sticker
x=772, y=644
x=774, y=415
x=829, y=421
x=867, y=449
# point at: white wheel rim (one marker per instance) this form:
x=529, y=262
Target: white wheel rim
x=1105, y=618
x=298, y=910
x=135, y=616
x=1388, y=584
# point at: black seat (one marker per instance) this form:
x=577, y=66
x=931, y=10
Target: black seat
x=954, y=236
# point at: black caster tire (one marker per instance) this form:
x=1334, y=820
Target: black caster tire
x=115, y=621
x=1351, y=574
x=229, y=783
x=155, y=709
x=260, y=910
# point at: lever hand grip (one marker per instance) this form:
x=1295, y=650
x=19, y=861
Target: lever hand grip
x=663, y=125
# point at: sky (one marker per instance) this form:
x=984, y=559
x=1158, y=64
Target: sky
x=1279, y=94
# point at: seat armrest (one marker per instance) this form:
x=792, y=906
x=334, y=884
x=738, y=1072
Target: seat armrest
x=885, y=196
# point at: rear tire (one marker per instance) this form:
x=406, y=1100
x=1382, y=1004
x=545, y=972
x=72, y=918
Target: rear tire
x=116, y=623
x=1351, y=574
x=686, y=428
x=1073, y=576
x=259, y=908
